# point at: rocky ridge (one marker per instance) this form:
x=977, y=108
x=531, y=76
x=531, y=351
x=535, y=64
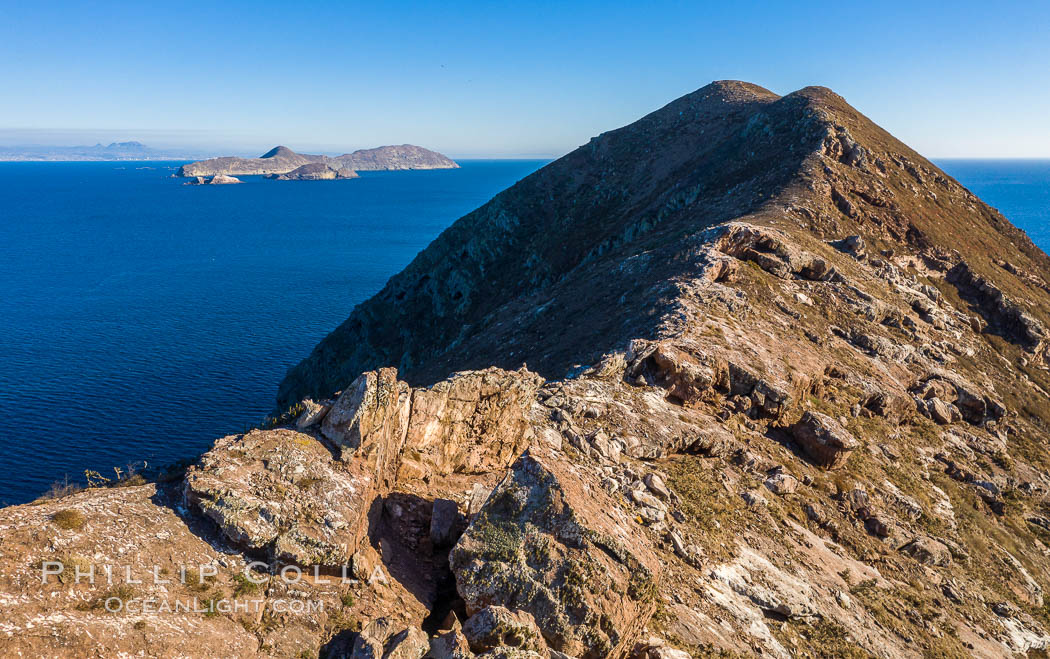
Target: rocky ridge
x=785, y=395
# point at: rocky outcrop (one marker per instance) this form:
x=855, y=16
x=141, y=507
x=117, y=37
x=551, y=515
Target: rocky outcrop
x=279, y=492
x=1003, y=314
x=545, y=545
x=315, y=171
x=218, y=179
x=282, y=160
x=282, y=493
x=473, y=422
x=823, y=439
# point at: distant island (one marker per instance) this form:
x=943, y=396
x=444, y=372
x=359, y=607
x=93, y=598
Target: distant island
x=99, y=152
x=282, y=160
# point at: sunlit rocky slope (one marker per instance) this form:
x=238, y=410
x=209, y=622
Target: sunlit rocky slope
x=746, y=377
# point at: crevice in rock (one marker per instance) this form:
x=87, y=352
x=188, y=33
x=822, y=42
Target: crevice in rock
x=415, y=547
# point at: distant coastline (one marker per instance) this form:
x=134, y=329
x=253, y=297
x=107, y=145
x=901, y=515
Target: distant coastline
x=112, y=152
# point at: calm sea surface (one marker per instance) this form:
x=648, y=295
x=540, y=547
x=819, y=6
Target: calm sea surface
x=140, y=319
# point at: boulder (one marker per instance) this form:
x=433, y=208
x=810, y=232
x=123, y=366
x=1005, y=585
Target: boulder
x=312, y=414
x=370, y=418
x=549, y=544
x=782, y=483
x=495, y=626
x=378, y=640
x=412, y=643
x=473, y=422
x=941, y=412
x=451, y=644
x=281, y=493
x=444, y=520
x=928, y=551
x=823, y=439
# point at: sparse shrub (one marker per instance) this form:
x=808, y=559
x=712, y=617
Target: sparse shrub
x=69, y=519
x=243, y=585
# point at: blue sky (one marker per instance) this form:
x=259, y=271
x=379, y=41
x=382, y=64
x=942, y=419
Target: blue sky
x=507, y=78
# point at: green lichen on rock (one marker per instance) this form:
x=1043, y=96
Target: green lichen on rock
x=541, y=545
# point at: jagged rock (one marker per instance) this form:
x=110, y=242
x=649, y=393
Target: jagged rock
x=823, y=439
x=444, y=519
x=280, y=492
x=412, y=643
x=1000, y=311
x=957, y=400
x=781, y=483
x=928, y=551
x=544, y=545
x=472, y=422
x=479, y=494
x=685, y=376
x=495, y=626
x=853, y=245
x=370, y=419
x=941, y=412
x=378, y=640
x=656, y=486
x=312, y=414
x=451, y=644
x=816, y=513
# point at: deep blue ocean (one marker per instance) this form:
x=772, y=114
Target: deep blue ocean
x=140, y=319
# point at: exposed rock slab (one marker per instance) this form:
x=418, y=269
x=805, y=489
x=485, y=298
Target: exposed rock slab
x=546, y=544
x=280, y=492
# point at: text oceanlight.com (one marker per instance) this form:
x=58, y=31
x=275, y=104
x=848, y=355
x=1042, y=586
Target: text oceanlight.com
x=148, y=605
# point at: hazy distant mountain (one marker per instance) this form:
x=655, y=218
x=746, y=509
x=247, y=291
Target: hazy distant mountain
x=281, y=160
x=114, y=151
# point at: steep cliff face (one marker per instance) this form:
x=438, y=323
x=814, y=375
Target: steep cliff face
x=786, y=395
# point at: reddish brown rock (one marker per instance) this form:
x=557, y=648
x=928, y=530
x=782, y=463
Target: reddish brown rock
x=823, y=439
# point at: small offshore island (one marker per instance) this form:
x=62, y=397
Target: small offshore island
x=283, y=164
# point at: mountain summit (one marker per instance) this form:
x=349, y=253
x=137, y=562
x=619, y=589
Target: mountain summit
x=594, y=249
x=746, y=377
